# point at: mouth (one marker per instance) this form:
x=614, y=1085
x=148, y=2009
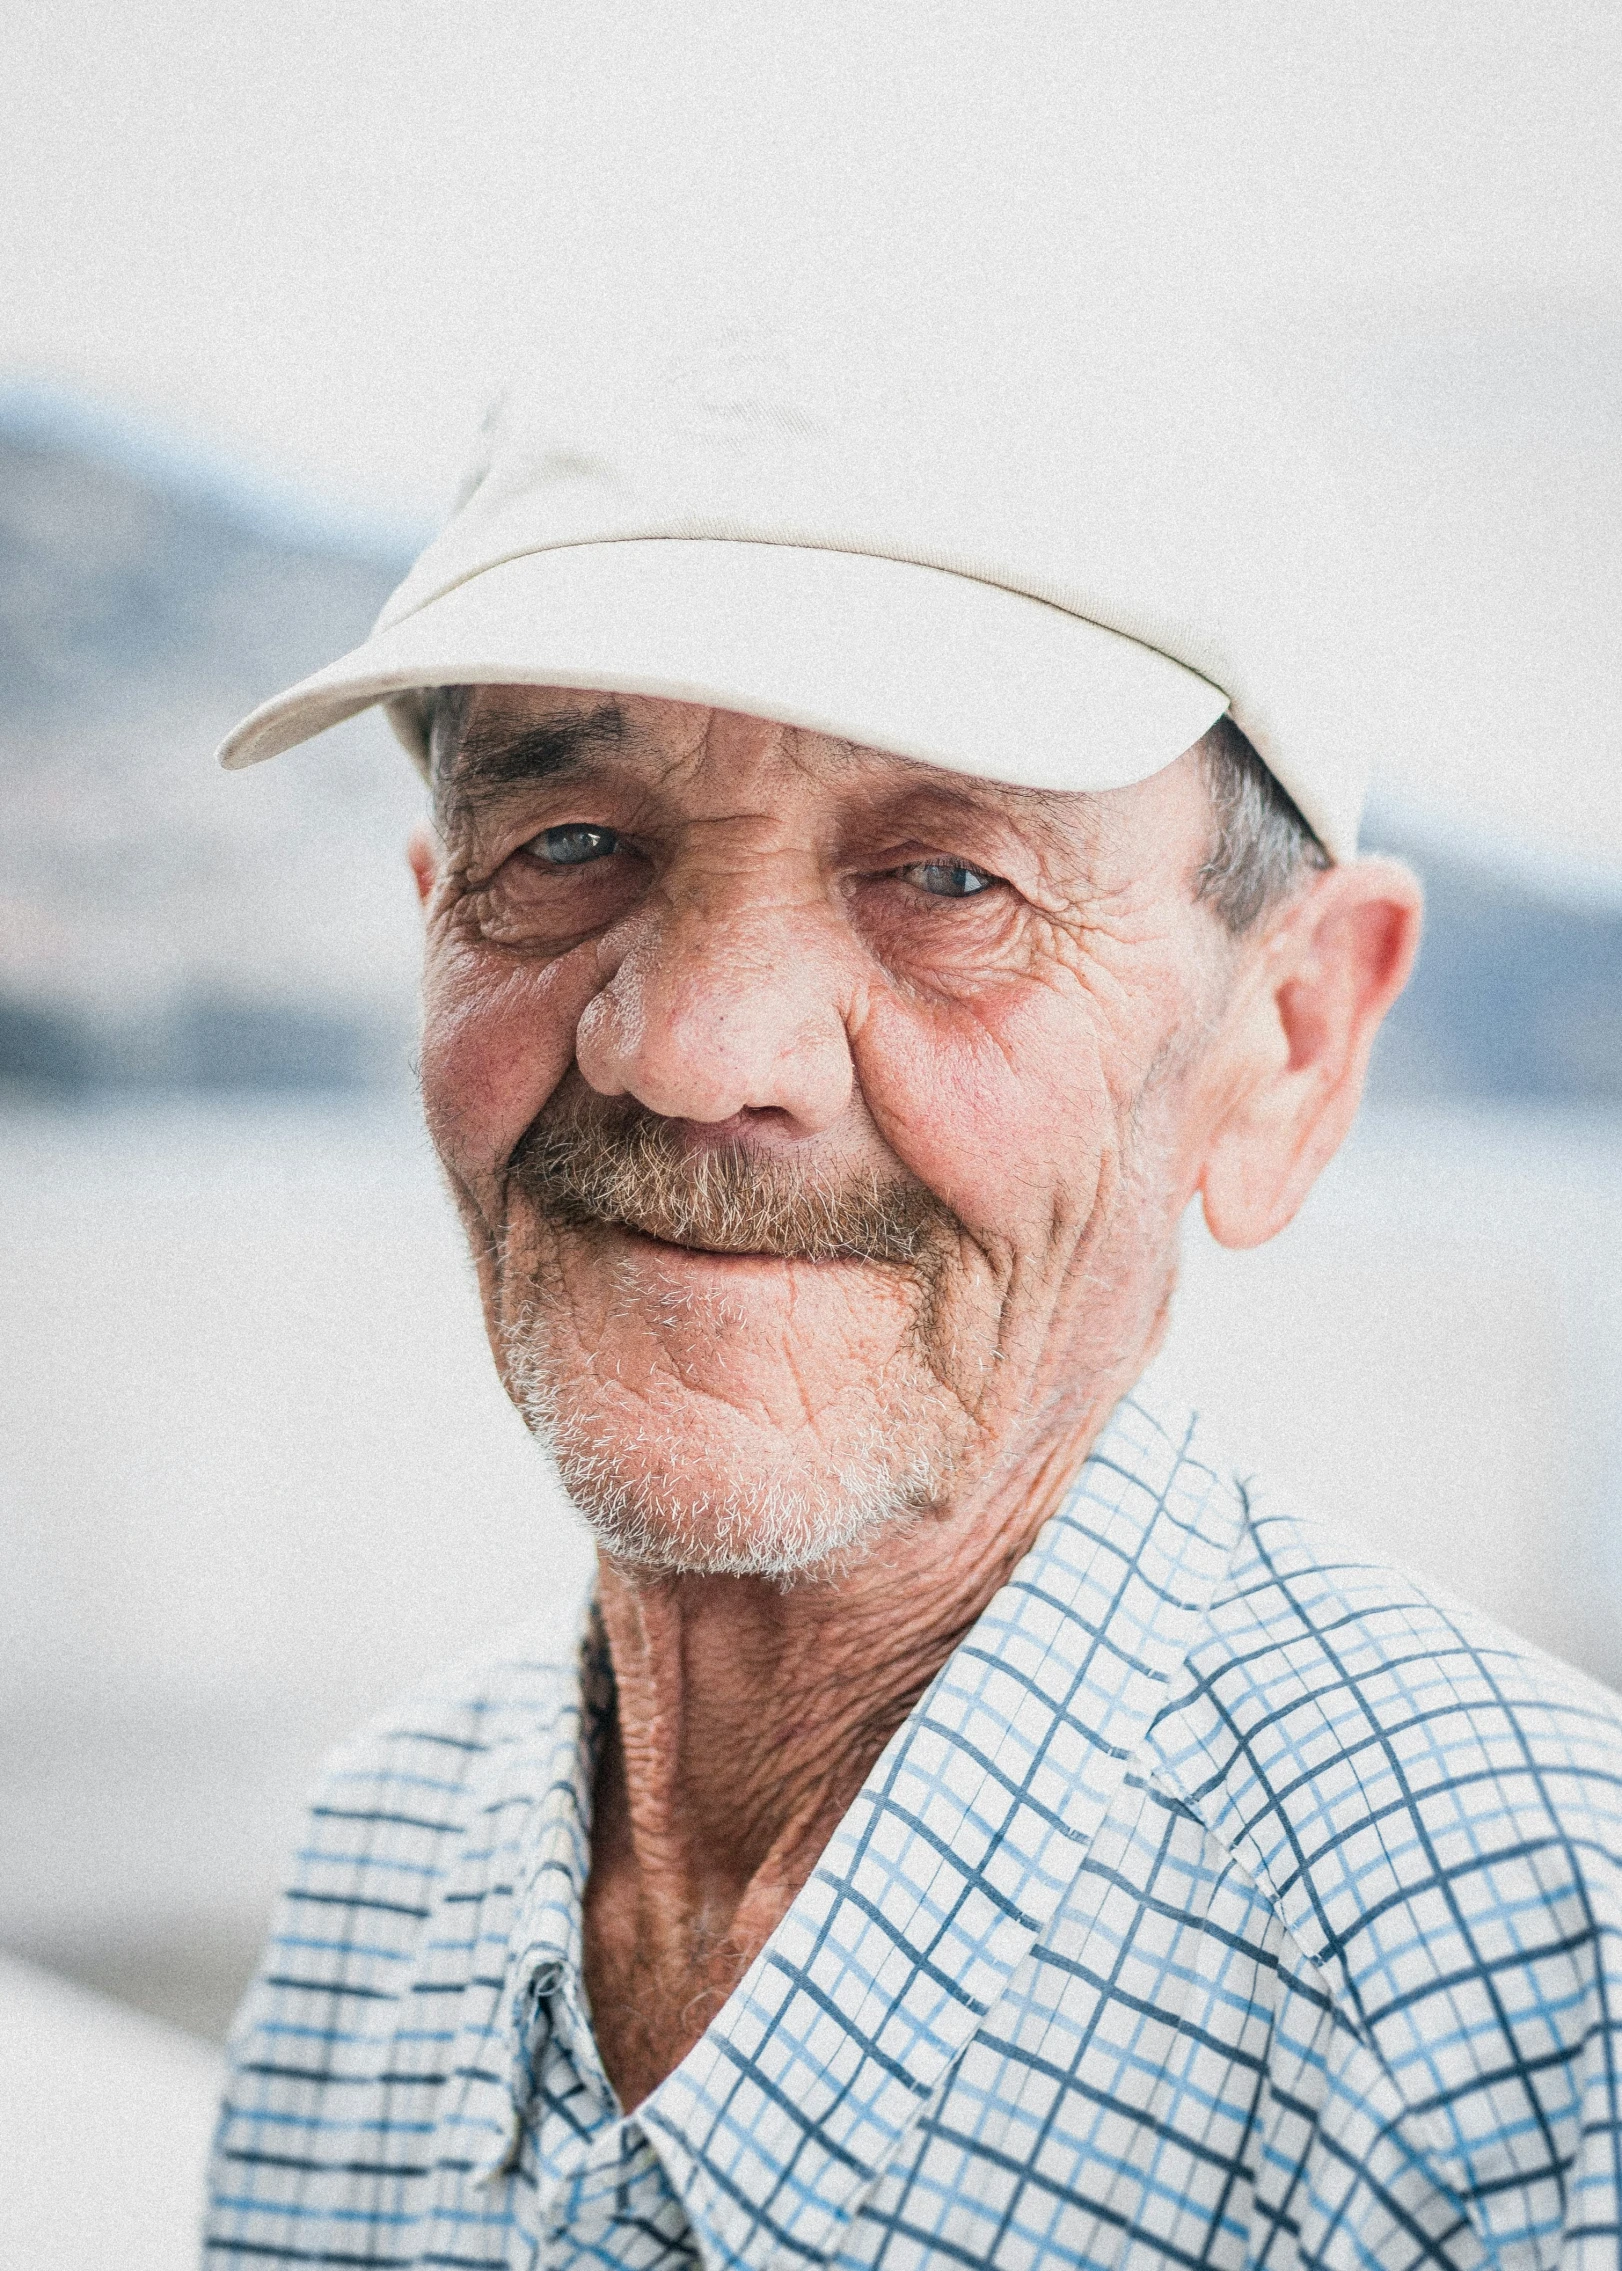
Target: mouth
x=693, y=1249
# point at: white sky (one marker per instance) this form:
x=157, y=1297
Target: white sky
x=308, y=235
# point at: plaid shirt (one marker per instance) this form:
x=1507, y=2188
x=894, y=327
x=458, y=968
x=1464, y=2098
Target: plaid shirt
x=1225, y=1901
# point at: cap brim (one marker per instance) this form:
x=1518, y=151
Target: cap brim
x=920, y=661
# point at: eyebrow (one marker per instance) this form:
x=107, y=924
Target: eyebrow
x=490, y=759
x=1063, y=831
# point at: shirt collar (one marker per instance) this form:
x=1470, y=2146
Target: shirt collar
x=549, y=1885
x=537, y=1867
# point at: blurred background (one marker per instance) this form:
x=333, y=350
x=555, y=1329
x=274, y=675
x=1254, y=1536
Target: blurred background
x=263, y=266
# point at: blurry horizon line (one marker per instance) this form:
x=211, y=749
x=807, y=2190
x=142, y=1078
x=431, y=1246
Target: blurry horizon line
x=49, y=413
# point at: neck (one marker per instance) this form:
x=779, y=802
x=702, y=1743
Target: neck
x=747, y=1719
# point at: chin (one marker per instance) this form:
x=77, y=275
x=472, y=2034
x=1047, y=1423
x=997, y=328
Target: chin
x=688, y=1486
x=789, y=1534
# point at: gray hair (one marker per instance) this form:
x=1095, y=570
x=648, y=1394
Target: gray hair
x=1262, y=846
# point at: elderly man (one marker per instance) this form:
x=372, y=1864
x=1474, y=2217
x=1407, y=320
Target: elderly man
x=973, y=1831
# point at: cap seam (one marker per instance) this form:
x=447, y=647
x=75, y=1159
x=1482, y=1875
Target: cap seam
x=387, y=622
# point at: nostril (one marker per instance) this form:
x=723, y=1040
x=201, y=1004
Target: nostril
x=601, y=1046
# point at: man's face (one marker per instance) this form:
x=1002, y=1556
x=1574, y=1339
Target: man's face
x=821, y=1120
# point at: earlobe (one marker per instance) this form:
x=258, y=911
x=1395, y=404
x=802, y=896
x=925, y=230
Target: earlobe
x=422, y=852
x=1299, y=1051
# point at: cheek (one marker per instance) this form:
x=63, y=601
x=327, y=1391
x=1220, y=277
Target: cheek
x=1004, y=1108
x=497, y=1037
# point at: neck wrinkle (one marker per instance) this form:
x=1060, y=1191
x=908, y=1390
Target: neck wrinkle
x=748, y=1715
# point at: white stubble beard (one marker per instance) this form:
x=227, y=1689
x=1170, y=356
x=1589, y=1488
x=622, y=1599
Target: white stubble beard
x=803, y=1528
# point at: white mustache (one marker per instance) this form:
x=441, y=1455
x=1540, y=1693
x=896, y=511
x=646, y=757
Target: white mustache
x=634, y=1172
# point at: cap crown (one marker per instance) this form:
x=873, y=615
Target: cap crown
x=1114, y=459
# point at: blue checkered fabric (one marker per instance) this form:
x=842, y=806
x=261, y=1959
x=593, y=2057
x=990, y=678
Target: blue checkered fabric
x=1226, y=1901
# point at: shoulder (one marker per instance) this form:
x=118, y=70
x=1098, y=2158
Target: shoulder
x=1433, y=1811
x=438, y=1732
x=387, y=1944
x=1362, y=1741
x=406, y=1804
x=439, y=1754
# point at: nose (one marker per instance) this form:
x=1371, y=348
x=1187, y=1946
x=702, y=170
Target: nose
x=712, y=1012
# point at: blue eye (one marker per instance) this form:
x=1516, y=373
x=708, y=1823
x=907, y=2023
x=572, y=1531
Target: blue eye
x=949, y=879
x=573, y=845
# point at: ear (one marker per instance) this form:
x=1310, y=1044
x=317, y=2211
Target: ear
x=422, y=850
x=1294, y=1049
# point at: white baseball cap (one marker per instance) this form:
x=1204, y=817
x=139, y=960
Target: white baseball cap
x=1052, y=558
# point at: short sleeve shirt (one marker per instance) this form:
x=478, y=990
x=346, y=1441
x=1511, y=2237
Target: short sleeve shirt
x=1226, y=1901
